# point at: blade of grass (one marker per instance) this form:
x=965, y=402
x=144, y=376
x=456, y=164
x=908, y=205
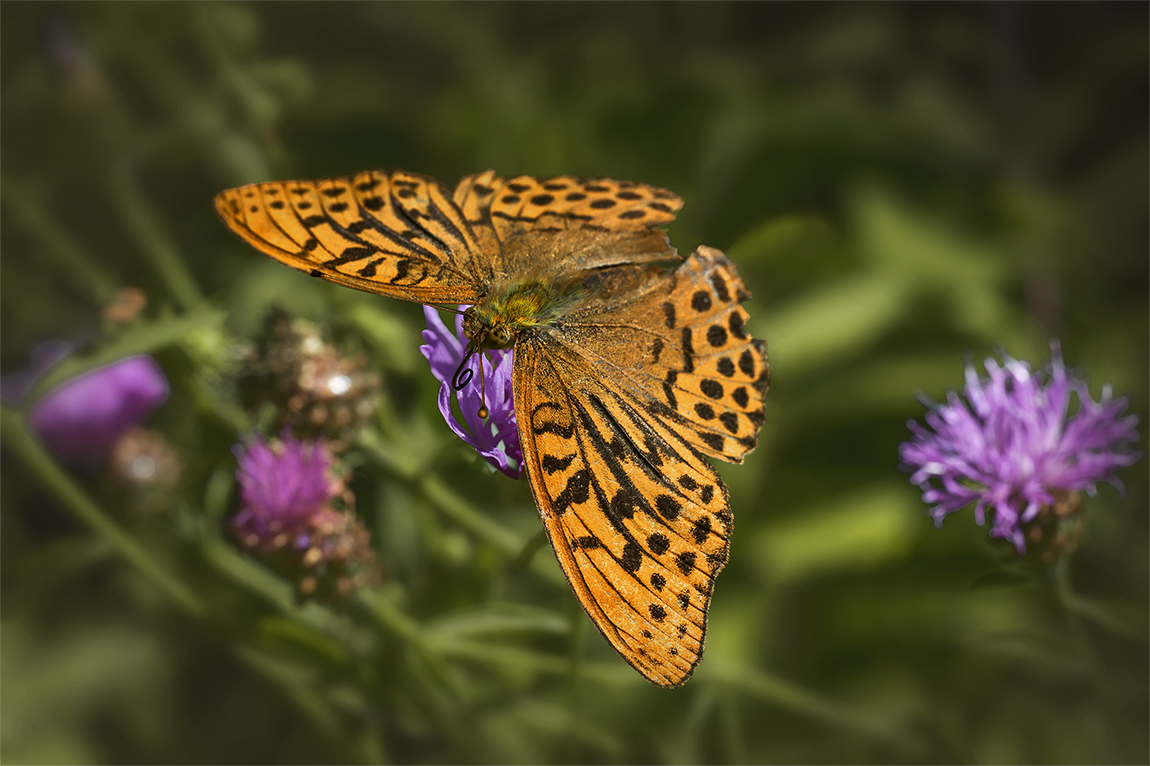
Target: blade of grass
x=59, y=484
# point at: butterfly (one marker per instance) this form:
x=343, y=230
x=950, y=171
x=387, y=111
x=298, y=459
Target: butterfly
x=627, y=374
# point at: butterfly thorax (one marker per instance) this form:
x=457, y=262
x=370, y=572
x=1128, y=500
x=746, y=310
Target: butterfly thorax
x=510, y=309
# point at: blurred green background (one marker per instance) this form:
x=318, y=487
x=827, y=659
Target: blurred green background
x=899, y=185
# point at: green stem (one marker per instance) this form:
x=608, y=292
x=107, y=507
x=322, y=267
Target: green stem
x=146, y=338
x=469, y=517
x=59, y=484
x=1098, y=675
x=785, y=694
x=153, y=241
x=74, y=264
x=380, y=606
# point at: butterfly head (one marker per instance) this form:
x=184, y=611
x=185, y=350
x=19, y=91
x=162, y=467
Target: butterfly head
x=486, y=331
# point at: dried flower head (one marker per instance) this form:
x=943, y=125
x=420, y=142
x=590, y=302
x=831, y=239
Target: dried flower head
x=497, y=438
x=1010, y=447
x=313, y=386
x=144, y=469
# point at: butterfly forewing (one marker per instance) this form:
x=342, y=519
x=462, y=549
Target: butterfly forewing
x=634, y=514
x=396, y=234
x=521, y=204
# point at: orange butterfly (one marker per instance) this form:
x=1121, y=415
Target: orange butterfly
x=626, y=376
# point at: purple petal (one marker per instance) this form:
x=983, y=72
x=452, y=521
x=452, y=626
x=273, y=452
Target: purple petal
x=497, y=437
x=281, y=487
x=1009, y=447
x=80, y=420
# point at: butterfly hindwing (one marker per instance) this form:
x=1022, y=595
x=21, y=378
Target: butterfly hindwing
x=396, y=234
x=682, y=341
x=618, y=406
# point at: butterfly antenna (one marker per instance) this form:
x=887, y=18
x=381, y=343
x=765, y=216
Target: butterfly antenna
x=463, y=373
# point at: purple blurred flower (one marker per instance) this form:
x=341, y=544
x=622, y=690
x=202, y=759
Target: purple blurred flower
x=1011, y=447
x=497, y=439
x=81, y=419
x=282, y=487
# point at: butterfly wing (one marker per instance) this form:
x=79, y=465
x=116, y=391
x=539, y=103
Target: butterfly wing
x=388, y=232
x=638, y=518
x=516, y=205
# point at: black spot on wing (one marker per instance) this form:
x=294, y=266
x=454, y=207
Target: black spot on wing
x=747, y=363
x=735, y=322
x=688, y=347
x=668, y=507
x=658, y=543
x=552, y=464
x=712, y=440
x=702, y=530
x=712, y=388
x=740, y=396
x=577, y=490
x=720, y=286
x=351, y=255
x=632, y=557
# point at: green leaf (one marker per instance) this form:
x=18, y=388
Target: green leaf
x=830, y=323
x=860, y=530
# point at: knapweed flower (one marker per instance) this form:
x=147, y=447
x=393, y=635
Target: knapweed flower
x=497, y=438
x=282, y=486
x=298, y=513
x=80, y=420
x=1010, y=447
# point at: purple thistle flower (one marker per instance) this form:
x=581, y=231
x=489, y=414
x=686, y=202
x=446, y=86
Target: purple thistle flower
x=497, y=438
x=80, y=420
x=1010, y=446
x=282, y=487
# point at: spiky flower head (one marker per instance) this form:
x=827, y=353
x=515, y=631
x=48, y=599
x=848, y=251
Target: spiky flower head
x=282, y=485
x=297, y=512
x=497, y=438
x=1012, y=448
